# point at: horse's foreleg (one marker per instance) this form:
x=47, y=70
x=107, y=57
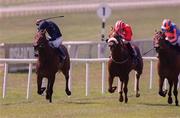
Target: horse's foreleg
x=126, y=79
x=176, y=93
x=47, y=90
x=161, y=82
x=170, y=101
x=121, y=92
x=39, y=84
x=50, y=88
x=111, y=88
x=137, y=85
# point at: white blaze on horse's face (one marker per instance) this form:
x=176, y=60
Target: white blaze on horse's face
x=112, y=40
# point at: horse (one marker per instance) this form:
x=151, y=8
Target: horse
x=120, y=65
x=48, y=64
x=168, y=65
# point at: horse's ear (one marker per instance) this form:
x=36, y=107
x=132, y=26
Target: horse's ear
x=155, y=30
x=112, y=28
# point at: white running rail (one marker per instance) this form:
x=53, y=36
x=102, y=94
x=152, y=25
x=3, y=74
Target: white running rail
x=73, y=60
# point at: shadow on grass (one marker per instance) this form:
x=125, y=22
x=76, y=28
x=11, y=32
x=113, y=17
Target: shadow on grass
x=16, y=103
x=82, y=102
x=156, y=104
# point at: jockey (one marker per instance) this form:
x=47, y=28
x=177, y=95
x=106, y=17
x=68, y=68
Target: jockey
x=172, y=33
x=54, y=35
x=124, y=30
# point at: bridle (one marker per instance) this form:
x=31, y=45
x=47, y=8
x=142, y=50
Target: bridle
x=112, y=42
x=40, y=41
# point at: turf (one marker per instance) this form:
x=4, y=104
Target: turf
x=149, y=105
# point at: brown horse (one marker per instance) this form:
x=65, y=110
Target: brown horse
x=168, y=65
x=48, y=65
x=120, y=65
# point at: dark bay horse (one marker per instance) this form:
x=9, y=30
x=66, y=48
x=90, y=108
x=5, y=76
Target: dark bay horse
x=168, y=65
x=120, y=65
x=48, y=65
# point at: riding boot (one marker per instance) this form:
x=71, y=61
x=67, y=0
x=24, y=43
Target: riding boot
x=61, y=54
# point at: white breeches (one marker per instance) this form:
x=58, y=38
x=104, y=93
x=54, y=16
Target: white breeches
x=177, y=42
x=56, y=42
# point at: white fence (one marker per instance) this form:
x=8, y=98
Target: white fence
x=86, y=61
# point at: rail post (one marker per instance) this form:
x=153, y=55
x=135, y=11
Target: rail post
x=103, y=77
x=87, y=78
x=29, y=81
x=5, y=79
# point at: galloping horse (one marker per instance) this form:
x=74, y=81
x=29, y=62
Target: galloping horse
x=120, y=65
x=48, y=65
x=168, y=65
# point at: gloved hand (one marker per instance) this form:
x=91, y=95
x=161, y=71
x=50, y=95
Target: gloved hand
x=167, y=38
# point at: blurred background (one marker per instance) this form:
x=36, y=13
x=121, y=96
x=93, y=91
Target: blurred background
x=81, y=23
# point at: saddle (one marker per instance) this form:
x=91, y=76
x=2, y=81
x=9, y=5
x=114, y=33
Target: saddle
x=174, y=47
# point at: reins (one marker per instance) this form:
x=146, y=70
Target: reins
x=119, y=62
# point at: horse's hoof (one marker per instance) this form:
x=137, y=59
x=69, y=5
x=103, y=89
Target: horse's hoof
x=126, y=100
x=163, y=93
x=121, y=99
x=41, y=91
x=47, y=97
x=112, y=90
x=177, y=104
x=68, y=93
x=137, y=95
x=50, y=101
x=170, y=101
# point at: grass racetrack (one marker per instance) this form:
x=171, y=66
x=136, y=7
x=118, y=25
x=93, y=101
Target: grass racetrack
x=86, y=26
x=149, y=105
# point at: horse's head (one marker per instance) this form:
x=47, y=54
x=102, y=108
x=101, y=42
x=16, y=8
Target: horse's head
x=112, y=42
x=159, y=41
x=114, y=39
x=40, y=41
x=117, y=48
x=112, y=33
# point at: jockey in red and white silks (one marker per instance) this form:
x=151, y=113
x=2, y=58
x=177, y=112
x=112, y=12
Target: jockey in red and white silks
x=124, y=30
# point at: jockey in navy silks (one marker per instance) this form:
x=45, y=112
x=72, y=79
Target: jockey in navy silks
x=171, y=31
x=54, y=35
